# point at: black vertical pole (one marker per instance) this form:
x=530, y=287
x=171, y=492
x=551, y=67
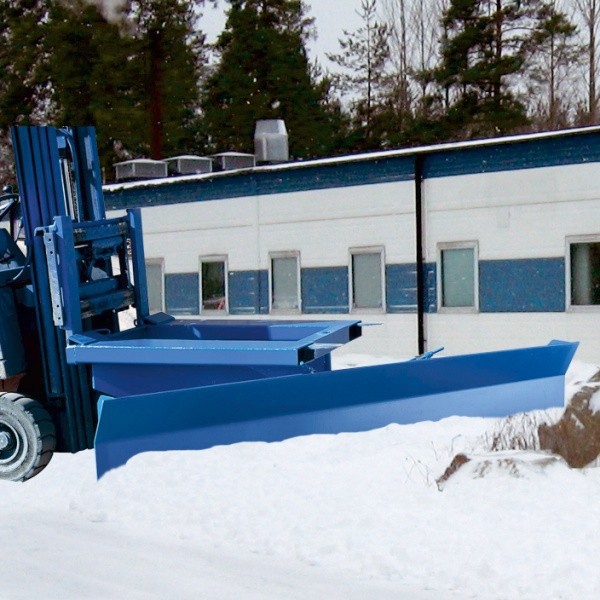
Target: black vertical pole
x=156, y=93
x=419, y=237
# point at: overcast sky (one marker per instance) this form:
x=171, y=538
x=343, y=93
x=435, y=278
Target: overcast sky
x=331, y=17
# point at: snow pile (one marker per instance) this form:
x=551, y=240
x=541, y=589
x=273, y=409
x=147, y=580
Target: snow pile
x=578, y=376
x=595, y=402
x=340, y=516
x=512, y=463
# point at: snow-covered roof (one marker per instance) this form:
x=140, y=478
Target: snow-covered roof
x=147, y=161
x=232, y=154
x=187, y=157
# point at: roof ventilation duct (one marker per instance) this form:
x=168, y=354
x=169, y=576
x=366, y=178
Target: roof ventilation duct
x=189, y=165
x=271, y=141
x=140, y=168
x=228, y=161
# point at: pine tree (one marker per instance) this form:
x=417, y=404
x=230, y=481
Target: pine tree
x=169, y=58
x=20, y=59
x=21, y=88
x=589, y=12
x=90, y=75
x=555, y=53
x=364, y=56
x=485, y=45
x=264, y=73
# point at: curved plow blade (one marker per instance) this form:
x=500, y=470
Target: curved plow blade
x=490, y=384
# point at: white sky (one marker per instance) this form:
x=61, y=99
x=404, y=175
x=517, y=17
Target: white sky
x=331, y=18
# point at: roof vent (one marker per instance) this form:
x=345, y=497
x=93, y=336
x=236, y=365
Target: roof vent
x=140, y=168
x=189, y=165
x=228, y=161
x=271, y=141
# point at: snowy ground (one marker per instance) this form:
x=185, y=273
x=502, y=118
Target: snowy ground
x=350, y=516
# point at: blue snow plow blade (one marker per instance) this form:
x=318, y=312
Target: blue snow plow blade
x=270, y=409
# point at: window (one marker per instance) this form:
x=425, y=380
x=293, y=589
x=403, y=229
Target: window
x=285, y=281
x=213, y=284
x=585, y=272
x=366, y=278
x=154, y=277
x=181, y=293
x=458, y=275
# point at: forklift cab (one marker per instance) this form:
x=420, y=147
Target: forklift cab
x=12, y=269
x=10, y=214
x=12, y=258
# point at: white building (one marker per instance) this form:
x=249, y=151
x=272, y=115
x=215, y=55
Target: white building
x=473, y=246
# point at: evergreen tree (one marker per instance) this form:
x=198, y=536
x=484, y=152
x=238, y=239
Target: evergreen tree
x=20, y=59
x=555, y=52
x=589, y=13
x=170, y=56
x=135, y=78
x=485, y=45
x=90, y=76
x=414, y=107
x=364, y=56
x=21, y=88
x=264, y=73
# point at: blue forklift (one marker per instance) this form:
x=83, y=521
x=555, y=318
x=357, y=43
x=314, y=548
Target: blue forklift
x=71, y=379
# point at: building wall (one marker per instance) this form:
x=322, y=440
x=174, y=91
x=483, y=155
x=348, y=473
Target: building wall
x=321, y=225
x=518, y=214
x=521, y=221
x=519, y=205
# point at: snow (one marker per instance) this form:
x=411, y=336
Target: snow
x=323, y=517
x=577, y=375
x=595, y=402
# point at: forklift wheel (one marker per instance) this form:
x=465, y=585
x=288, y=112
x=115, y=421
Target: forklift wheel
x=27, y=437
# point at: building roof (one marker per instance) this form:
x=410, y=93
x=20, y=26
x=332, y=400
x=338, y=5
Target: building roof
x=570, y=146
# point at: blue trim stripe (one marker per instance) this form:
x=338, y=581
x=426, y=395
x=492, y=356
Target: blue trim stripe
x=182, y=293
x=521, y=285
x=525, y=285
x=248, y=292
x=401, y=288
x=527, y=154
x=430, y=287
x=325, y=290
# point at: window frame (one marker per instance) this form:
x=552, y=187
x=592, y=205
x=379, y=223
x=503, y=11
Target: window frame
x=286, y=254
x=569, y=241
x=213, y=258
x=161, y=263
x=464, y=245
x=352, y=252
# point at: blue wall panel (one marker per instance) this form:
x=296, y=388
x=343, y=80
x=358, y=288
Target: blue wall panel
x=523, y=285
x=430, y=285
x=248, y=292
x=526, y=285
x=401, y=288
x=325, y=290
x=182, y=294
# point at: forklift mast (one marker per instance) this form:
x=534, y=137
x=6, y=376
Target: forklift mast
x=64, y=218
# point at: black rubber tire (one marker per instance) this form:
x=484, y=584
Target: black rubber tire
x=28, y=437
